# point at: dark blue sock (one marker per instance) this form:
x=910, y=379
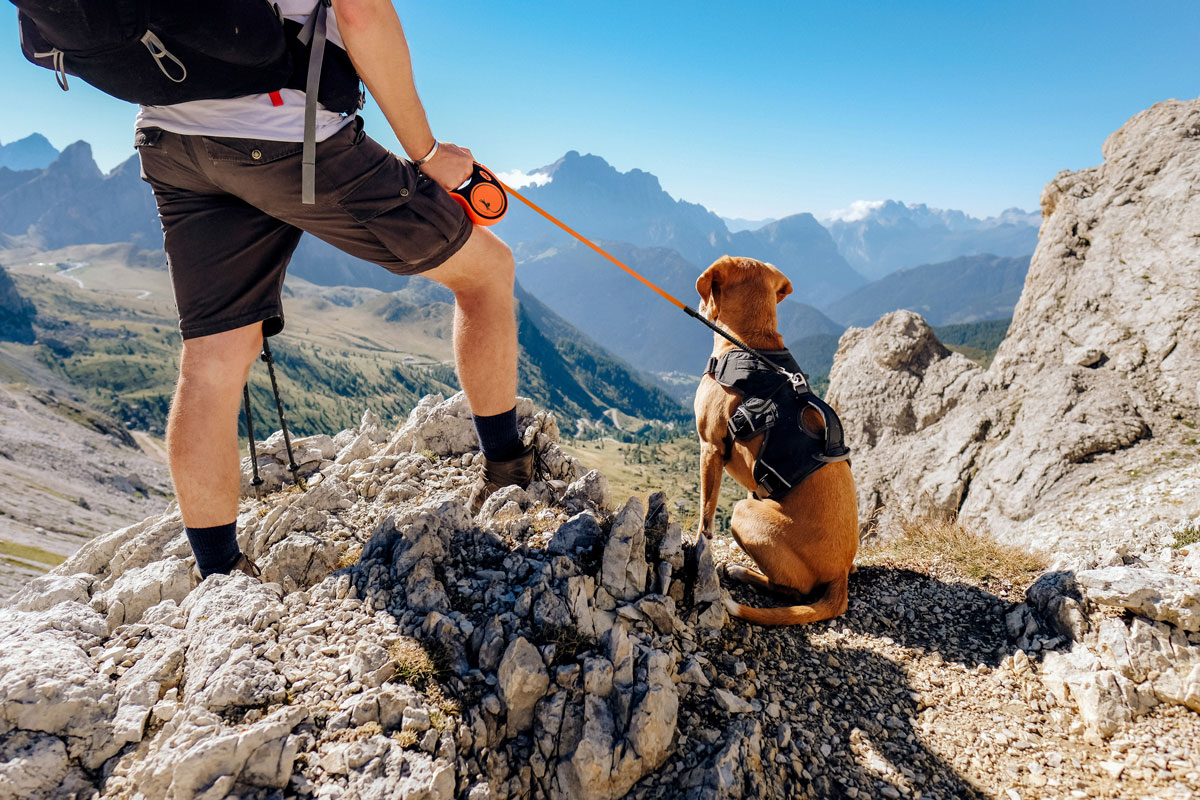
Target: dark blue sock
x=216, y=548
x=498, y=437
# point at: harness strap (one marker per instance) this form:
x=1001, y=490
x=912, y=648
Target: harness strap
x=314, y=31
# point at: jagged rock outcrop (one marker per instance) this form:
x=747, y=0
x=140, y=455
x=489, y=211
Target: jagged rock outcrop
x=400, y=644
x=1103, y=352
x=1113, y=669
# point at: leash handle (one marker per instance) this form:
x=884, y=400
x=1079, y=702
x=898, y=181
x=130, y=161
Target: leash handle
x=482, y=196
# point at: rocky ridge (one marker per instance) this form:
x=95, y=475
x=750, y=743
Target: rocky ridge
x=398, y=643
x=553, y=644
x=1097, y=378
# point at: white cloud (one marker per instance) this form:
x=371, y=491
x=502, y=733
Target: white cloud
x=517, y=179
x=859, y=209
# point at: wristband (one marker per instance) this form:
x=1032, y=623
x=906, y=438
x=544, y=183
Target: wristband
x=428, y=156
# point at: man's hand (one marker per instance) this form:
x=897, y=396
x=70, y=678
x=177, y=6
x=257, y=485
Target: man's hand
x=450, y=166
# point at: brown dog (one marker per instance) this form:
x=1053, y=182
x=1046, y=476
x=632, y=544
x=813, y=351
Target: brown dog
x=805, y=544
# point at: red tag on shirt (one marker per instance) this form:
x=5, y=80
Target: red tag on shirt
x=276, y=99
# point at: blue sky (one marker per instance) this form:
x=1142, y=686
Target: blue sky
x=755, y=109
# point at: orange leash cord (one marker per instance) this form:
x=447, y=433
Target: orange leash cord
x=670, y=299
x=691, y=312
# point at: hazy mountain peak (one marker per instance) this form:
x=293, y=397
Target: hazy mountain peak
x=589, y=168
x=735, y=224
x=32, y=152
x=77, y=160
x=879, y=236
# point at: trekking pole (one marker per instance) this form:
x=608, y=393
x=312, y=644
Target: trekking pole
x=287, y=440
x=257, y=480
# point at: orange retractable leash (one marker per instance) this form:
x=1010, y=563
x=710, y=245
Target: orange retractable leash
x=483, y=198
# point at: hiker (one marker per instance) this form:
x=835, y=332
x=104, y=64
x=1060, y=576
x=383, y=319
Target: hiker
x=227, y=179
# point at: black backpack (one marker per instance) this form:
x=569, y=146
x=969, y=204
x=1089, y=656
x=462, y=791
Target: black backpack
x=171, y=52
x=159, y=53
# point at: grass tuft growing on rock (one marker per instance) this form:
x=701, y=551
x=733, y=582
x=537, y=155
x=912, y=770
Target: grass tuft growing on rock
x=406, y=739
x=419, y=663
x=1186, y=536
x=349, y=557
x=945, y=541
x=568, y=642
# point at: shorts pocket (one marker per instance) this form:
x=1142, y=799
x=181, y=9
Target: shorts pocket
x=391, y=185
x=249, y=151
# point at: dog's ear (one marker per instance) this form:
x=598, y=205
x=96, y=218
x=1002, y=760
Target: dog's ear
x=783, y=288
x=708, y=286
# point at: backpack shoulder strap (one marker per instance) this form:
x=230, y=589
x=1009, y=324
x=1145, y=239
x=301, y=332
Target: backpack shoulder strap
x=314, y=30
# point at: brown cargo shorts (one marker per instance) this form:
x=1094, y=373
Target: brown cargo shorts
x=231, y=218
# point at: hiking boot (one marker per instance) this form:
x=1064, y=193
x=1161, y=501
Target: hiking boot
x=243, y=564
x=519, y=471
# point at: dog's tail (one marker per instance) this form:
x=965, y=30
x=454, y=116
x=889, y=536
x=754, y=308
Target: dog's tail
x=831, y=604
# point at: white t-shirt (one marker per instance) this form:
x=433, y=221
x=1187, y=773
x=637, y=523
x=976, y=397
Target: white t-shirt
x=253, y=116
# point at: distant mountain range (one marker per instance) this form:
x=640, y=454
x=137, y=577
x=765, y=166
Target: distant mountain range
x=926, y=259
x=735, y=224
x=592, y=197
x=965, y=289
x=72, y=202
x=636, y=324
x=335, y=357
x=879, y=238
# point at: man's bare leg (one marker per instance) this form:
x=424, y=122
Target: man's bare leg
x=485, y=327
x=202, y=437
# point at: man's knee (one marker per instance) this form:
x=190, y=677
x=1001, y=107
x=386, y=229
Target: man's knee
x=484, y=266
x=221, y=358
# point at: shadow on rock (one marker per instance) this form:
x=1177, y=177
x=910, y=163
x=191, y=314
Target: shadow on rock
x=837, y=706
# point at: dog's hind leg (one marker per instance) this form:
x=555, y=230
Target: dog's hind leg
x=762, y=532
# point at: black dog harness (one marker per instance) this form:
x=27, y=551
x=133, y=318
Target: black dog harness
x=772, y=405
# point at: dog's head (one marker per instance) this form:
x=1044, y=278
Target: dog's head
x=742, y=293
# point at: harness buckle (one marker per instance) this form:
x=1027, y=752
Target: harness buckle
x=771, y=485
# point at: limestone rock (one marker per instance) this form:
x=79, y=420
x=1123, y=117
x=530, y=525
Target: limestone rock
x=1150, y=593
x=735, y=772
x=580, y=532
x=224, y=615
x=199, y=756
x=1099, y=354
x=140, y=588
x=590, y=491
x=48, y=591
x=118, y=678
x=371, y=665
x=1057, y=599
x=624, y=572
x=523, y=681
x=32, y=765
